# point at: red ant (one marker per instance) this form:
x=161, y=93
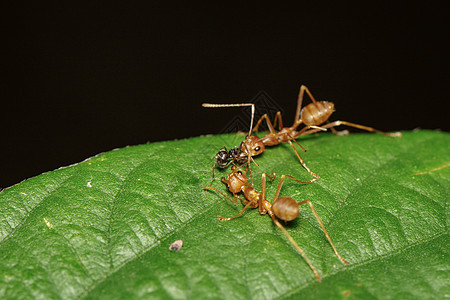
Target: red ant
x=283, y=208
x=312, y=115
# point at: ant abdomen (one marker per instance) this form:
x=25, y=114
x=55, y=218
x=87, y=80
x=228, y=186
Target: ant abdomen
x=317, y=113
x=286, y=209
x=222, y=158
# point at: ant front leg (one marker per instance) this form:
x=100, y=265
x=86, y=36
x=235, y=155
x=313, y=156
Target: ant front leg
x=302, y=253
x=323, y=228
x=214, y=189
x=213, y=168
x=249, y=159
x=239, y=214
x=271, y=177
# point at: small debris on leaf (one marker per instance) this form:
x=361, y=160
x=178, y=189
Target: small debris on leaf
x=176, y=245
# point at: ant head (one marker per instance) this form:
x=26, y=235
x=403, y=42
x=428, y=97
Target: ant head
x=285, y=208
x=254, y=145
x=236, y=180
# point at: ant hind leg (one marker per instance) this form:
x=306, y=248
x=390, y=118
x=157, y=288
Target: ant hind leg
x=302, y=253
x=362, y=127
x=323, y=228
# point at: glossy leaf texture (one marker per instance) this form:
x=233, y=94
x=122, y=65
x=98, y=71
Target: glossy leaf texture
x=101, y=229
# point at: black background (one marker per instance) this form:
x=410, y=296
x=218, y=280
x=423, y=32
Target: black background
x=79, y=80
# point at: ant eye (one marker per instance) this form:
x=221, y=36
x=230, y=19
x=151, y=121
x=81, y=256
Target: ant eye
x=257, y=148
x=239, y=172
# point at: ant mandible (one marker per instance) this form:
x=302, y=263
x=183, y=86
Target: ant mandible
x=283, y=208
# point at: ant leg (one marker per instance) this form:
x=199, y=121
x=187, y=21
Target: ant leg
x=249, y=169
x=279, y=119
x=370, y=129
x=245, y=201
x=293, y=139
x=304, y=165
x=308, y=132
x=263, y=189
x=367, y=128
x=323, y=228
x=249, y=157
x=263, y=209
x=213, y=177
x=238, y=167
x=303, y=89
x=280, y=184
x=242, y=211
x=214, y=165
x=308, y=127
x=271, y=177
x=334, y=131
x=214, y=189
x=275, y=220
x=269, y=124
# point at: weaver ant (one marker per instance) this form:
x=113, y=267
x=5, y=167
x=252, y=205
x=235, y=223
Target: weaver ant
x=283, y=208
x=312, y=115
x=251, y=146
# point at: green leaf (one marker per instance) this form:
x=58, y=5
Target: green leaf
x=102, y=228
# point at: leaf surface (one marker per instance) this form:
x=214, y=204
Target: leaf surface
x=102, y=228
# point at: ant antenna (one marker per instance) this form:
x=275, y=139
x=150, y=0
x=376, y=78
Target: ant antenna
x=213, y=105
